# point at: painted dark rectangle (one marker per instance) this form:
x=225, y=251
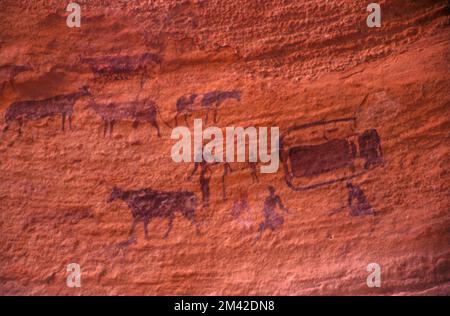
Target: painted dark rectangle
x=313, y=160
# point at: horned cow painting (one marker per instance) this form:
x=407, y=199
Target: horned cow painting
x=21, y=111
x=144, y=111
x=146, y=204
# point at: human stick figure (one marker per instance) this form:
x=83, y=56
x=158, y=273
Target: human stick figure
x=272, y=219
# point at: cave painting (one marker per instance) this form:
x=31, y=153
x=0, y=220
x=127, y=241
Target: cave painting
x=253, y=171
x=63, y=105
x=189, y=103
x=357, y=201
x=226, y=170
x=144, y=111
x=326, y=152
x=313, y=160
x=205, y=177
x=146, y=204
x=370, y=148
x=272, y=219
x=122, y=67
x=206, y=170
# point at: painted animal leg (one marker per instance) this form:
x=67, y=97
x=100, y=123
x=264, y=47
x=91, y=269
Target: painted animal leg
x=205, y=194
x=224, y=191
x=191, y=216
x=197, y=229
x=63, y=120
x=133, y=226
x=185, y=119
x=142, y=81
x=262, y=226
x=169, y=227
x=146, y=221
x=215, y=115
x=254, y=176
x=70, y=121
x=111, y=126
x=206, y=118
x=19, y=131
x=105, y=127
x=155, y=124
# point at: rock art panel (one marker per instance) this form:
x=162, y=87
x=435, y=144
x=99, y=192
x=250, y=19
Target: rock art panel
x=364, y=132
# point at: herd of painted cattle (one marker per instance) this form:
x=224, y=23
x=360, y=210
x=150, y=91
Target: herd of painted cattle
x=300, y=161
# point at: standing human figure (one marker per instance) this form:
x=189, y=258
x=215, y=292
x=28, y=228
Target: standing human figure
x=205, y=177
x=361, y=206
x=226, y=170
x=272, y=219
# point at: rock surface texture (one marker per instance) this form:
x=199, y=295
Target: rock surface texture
x=365, y=181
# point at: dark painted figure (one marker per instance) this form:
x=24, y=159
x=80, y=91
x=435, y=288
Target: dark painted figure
x=211, y=100
x=137, y=112
x=121, y=67
x=226, y=170
x=357, y=201
x=272, y=219
x=185, y=104
x=215, y=98
x=37, y=109
x=253, y=171
x=313, y=160
x=146, y=204
x=370, y=148
x=205, y=177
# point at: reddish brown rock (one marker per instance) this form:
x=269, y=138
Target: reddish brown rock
x=294, y=63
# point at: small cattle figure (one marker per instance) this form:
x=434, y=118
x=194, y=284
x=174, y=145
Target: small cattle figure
x=137, y=112
x=211, y=100
x=122, y=67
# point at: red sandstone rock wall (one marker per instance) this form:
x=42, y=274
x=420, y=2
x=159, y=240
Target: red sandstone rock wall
x=295, y=62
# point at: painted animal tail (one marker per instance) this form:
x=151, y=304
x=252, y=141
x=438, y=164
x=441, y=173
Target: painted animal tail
x=162, y=119
x=4, y=130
